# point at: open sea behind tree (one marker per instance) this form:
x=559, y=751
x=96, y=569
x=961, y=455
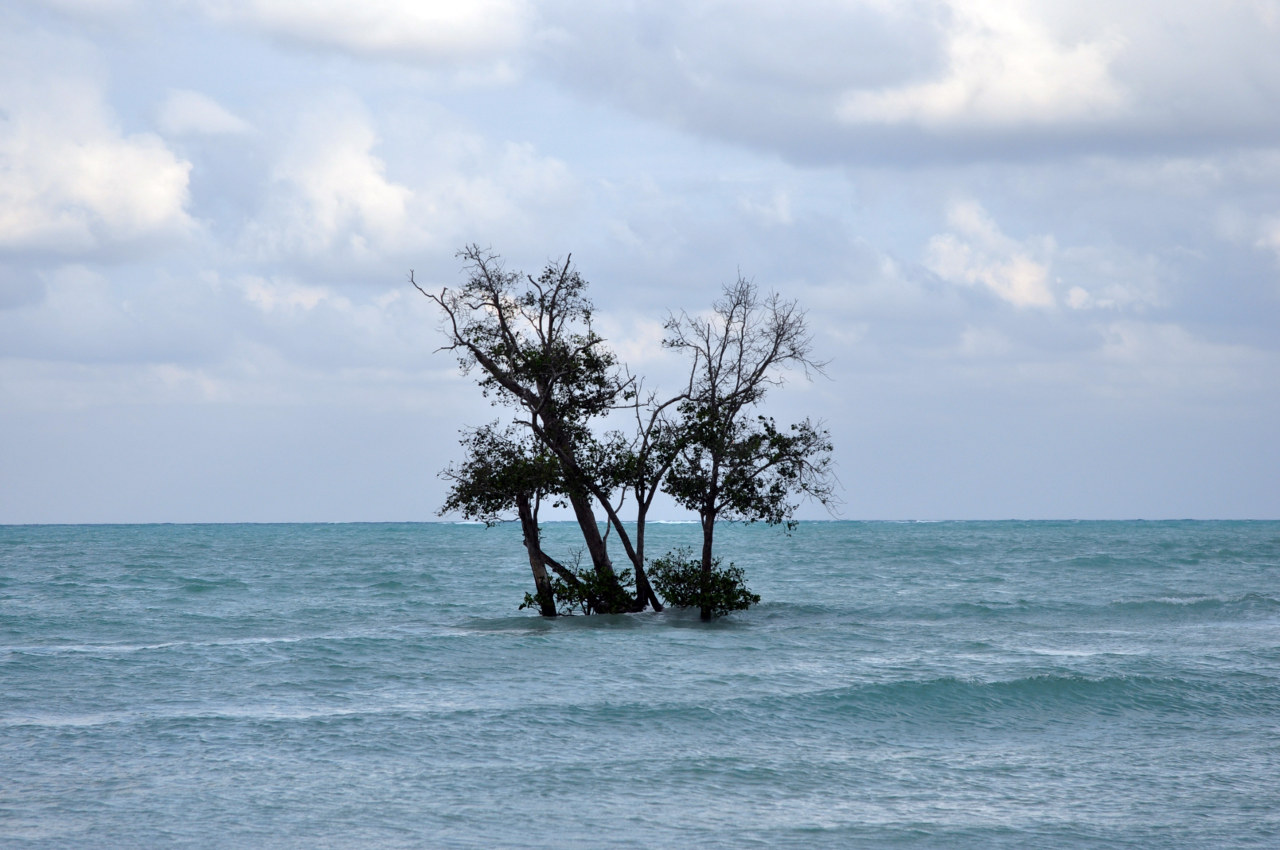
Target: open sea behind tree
x=970, y=684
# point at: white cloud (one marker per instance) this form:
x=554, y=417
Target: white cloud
x=336, y=200
x=1078, y=298
x=1111, y=278
x=330, y=192
x=637, y=340
x=1005, y=68
x=860, y=80
x=159, y=340
x=192, y=113
x=71, y=182
x=415, y=30
x=977, y=252
x=285, y=296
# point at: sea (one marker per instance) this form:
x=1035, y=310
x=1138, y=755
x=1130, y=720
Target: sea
x=901, y=685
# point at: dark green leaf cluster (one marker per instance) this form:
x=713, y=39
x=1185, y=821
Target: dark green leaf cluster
x=501, y=466
x=678, y=578
x=748, y=470
x=589, y=594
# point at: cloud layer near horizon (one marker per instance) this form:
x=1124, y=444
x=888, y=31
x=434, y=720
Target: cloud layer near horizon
x=1040, y=244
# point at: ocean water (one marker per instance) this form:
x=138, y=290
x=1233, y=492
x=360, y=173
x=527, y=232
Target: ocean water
x=943, y=685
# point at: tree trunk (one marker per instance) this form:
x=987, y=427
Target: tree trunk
x=553, y=436
x=620, y=601
x=708, y=531
x=644, y=590
x=537, y=561
x=596, y=548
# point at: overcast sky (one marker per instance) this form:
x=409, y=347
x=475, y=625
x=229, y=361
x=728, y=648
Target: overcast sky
x=1039, y=242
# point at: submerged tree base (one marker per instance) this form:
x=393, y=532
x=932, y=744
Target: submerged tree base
x=678, y=577
x=586, y=593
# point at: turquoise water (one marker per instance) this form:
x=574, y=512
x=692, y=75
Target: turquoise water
x=902, y=685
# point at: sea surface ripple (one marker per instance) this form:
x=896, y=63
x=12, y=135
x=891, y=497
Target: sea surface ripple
x=969, y=684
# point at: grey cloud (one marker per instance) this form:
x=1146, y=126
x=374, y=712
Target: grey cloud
x=19, y=287
x=86, y=316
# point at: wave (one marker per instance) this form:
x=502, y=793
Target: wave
x=1166, y=608
x=205, y=585
x=1049, y=698
x=1180, y=606
x=1193, y=604
x=942, y=706
x=227, y=714
x=129, y=648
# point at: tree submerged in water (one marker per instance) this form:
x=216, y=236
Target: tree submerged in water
x=531, y=342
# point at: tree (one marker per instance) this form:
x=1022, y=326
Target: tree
x=533, y=344
x=731, y=465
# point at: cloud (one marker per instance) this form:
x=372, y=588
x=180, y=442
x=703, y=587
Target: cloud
x=91, y=8
x=976, y=252
x=775, y=211
x=1165, y=359
x=336, y=203
x=331, y=194
x=953, y=80
x=186, y=112
x=1110, y=279
x=1004, y=68
x=752, y=73
x=19, y=287
x=1118, y=151
x=86, y=316
x=1270, y=235
x=152, y=338
x=420, y=31
x=71, y=181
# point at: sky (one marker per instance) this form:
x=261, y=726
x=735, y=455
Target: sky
x=1038, y=242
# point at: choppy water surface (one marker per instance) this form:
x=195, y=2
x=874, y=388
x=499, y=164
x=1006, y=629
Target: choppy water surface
x=902, y=685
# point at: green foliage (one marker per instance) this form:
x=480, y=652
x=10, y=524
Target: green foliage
x=748, y=470
x=590, y=594
x=677, y=576
x=501, y=465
